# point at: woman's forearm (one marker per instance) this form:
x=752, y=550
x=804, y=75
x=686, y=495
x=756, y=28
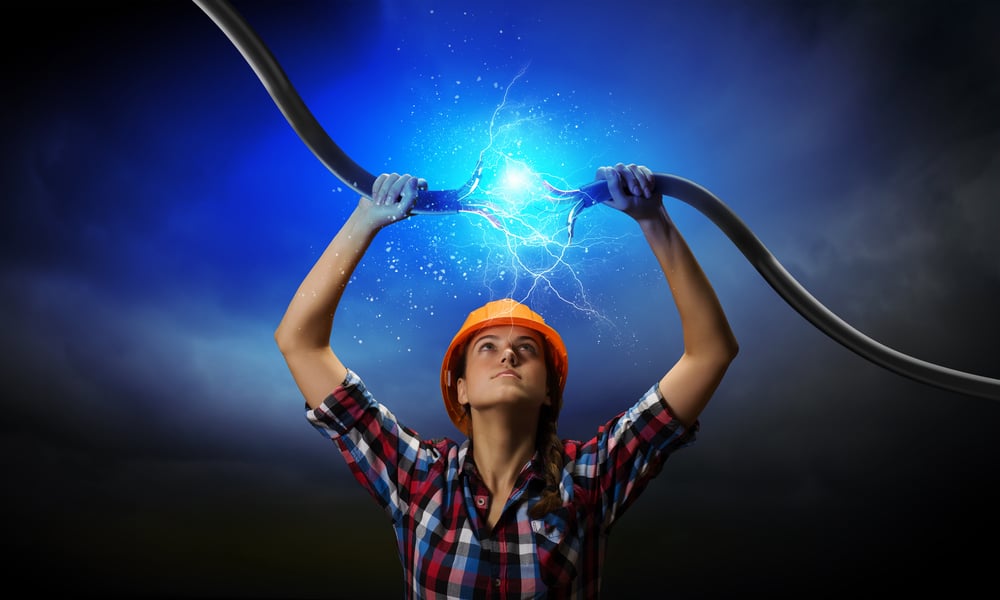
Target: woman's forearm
x=308, y=320
x=709, y=343
x=303, y=335
x=705, y=326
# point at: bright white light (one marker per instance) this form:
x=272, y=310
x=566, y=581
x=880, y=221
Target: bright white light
x=515, y=179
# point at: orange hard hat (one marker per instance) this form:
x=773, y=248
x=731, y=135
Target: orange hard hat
x=497, y=312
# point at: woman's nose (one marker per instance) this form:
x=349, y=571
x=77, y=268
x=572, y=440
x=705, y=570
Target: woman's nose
x=508, y=356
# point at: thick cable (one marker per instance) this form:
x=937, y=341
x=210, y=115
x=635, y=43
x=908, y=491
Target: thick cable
x=361, y=181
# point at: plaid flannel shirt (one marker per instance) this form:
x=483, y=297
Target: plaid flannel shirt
x=438, y=504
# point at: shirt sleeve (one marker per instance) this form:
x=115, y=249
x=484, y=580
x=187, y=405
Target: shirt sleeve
x=381, y=453
x=628, y=452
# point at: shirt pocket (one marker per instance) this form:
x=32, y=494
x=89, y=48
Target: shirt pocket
x=558, y=546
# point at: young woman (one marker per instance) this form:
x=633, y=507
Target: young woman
x=513, y=511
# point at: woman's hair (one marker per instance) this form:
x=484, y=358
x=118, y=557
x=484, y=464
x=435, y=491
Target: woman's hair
x=550, y=448
x=547, y=441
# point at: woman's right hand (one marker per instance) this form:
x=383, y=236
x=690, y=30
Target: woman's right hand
x=393, y=196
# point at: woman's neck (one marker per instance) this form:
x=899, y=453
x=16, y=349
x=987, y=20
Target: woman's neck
x=500, y=455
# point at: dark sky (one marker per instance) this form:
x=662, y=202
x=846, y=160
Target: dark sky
x=159, y=213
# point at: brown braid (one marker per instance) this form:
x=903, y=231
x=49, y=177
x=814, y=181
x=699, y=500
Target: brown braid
x=550, y=449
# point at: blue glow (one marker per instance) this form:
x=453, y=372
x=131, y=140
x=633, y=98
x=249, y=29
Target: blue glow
x=526, y=229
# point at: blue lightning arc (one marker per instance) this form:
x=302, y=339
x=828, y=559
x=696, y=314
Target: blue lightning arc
x=453, y=201
x=521, y=207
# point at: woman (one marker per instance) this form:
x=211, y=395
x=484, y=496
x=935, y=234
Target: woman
x=513, y=511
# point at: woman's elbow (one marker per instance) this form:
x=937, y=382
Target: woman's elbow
x=732, y=348
x=726, y=351
x=284, y=339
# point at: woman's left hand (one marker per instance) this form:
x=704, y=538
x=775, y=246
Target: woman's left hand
x=633, y=190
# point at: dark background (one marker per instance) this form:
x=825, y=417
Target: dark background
x=159, y=212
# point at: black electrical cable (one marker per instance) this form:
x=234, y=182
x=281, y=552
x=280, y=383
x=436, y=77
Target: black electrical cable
x=344, y=168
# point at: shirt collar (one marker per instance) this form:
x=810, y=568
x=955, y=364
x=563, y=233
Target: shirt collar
x=467, y=464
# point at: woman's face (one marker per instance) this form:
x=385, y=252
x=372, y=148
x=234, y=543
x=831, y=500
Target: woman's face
x=504, y=365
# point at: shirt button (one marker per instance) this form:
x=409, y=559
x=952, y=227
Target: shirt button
x=480, y=502
x=496, y=582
